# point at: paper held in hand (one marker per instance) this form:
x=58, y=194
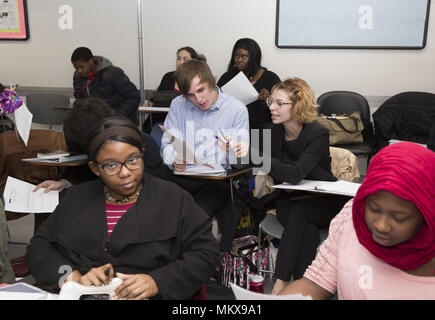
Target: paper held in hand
x=19, y=197
x=240, y=88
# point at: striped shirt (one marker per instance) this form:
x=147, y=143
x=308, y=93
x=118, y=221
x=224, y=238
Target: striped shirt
x=114, y=212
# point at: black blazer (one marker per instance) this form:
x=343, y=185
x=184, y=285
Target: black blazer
x=310, y=158
x=169, y=240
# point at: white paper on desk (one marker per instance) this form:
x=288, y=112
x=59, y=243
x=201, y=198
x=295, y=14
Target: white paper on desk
x=71, y=158
x=201, y=170
x=241, y=88
x=23, y=121
x=22, y=291
x=339, y=187
x=243, y=294
x=19, y=197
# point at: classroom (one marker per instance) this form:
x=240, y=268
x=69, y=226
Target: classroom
x=320, y=57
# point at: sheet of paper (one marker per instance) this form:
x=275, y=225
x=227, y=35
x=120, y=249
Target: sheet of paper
x=19, y=197
x=340, y=187
x=201, y=170
x=241, y=88
x=243, y=294
x=23, y=121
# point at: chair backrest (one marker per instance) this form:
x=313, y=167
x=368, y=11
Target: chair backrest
x=13, y=150
x=41, y=105
x=346, y=102
x=406, y=116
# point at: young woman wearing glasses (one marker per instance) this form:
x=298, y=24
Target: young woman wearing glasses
x=299, y=150
x=119, y=225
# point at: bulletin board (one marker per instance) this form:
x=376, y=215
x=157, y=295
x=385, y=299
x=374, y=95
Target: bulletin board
x=13, y=20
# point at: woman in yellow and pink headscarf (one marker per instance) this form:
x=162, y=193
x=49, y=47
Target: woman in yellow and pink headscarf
x=382, y=244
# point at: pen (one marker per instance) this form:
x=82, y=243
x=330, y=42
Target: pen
x=223, y=137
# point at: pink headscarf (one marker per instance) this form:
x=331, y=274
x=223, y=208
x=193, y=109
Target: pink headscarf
x=408, y=171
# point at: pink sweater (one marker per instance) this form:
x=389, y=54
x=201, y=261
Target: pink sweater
x=344, y=266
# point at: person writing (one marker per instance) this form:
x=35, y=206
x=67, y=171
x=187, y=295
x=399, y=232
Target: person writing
x=97, y=77
x=381, y=245
x=119, y=225
x=202, y=116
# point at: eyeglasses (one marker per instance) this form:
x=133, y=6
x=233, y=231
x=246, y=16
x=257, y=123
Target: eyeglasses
x=113, y=168
x=279, y=103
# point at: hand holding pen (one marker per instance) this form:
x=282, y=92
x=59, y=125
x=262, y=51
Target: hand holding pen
x=240, y=148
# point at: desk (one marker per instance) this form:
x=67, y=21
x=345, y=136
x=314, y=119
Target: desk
x=41, y=162
x=143, y=111
x=230, y=174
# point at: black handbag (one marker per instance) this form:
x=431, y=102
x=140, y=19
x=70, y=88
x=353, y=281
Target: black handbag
x=163, y=98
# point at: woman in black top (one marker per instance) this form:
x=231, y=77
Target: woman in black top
x=299, y=150
x=183, y=54
x=246, y=57
x=168, y=84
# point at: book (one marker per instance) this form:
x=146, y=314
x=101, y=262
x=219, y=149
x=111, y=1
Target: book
x=339, y=187
x=52, y=155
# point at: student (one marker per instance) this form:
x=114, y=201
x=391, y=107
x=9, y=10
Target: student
x=168, y=88
x=299, y=150
x=381, y=245
x=85, y=113
x=196, y=117
x=183, y=54
x=160, y=249
x=246, y=57
x=97, y=77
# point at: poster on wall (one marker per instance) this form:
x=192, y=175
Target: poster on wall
x=362, y=24
x=13, y=20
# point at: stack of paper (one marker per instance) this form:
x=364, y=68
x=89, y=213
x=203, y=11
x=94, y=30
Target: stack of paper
x=201, y=170
x=61, y=159
x=53, y=155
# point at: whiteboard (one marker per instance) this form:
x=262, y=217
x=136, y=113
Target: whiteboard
x=383, y=24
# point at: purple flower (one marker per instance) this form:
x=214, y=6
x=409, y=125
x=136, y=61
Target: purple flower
x=9, y=102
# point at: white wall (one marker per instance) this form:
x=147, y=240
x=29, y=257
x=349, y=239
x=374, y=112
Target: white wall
x=109, y=27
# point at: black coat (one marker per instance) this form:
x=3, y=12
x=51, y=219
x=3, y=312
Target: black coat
x=306, y=157
x=113, y=86
x=169, y=240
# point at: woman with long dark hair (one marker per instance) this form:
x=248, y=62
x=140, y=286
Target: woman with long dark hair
x=246, y=57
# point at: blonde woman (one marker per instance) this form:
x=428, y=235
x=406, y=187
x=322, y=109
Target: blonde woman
x=299, y=150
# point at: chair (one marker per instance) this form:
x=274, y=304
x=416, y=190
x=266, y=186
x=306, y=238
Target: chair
x=344, y=166
x=42, y=106
x=335, y=102
x=406, y=116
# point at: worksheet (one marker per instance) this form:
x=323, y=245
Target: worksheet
x=19, y=197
